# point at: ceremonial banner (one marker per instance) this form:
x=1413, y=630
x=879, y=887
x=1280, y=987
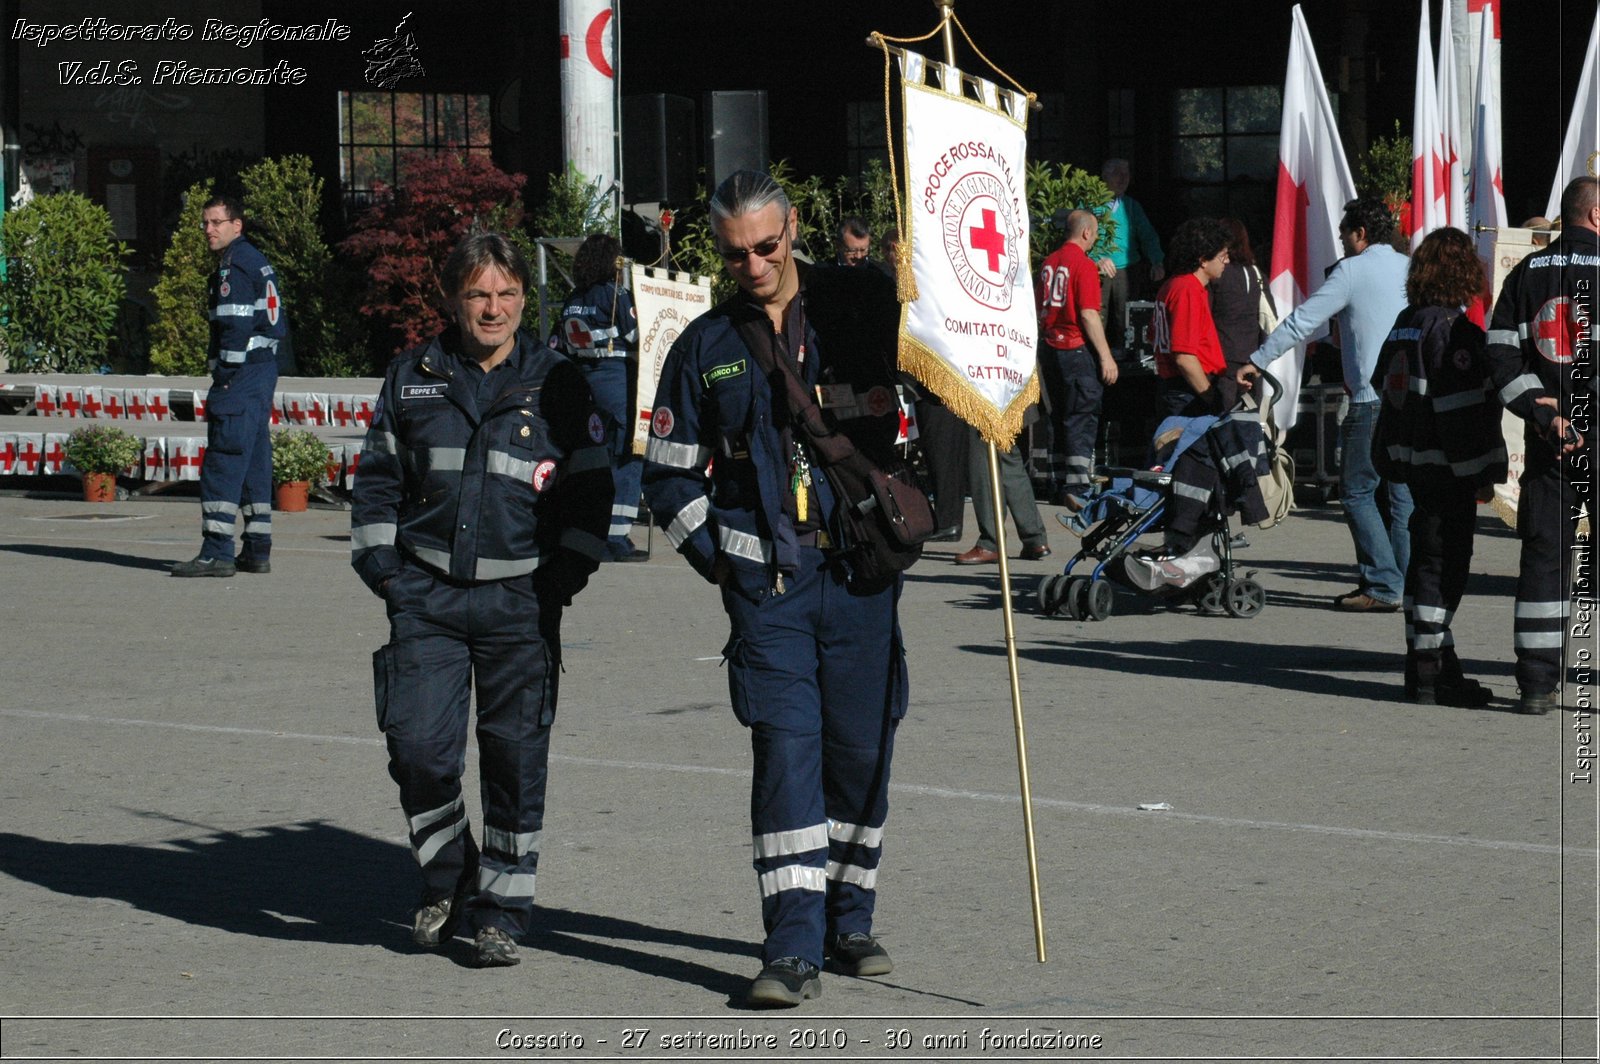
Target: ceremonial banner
x=666, y=303
x=970, y=333
x=1314, y=184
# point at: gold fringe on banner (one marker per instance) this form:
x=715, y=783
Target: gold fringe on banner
x=999, y=427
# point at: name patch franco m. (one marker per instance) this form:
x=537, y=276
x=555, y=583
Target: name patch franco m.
x=721, y=373
x=421, y=391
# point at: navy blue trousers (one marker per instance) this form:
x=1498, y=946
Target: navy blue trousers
x=1076, y=394
x=236, y=476
x=818, y=675
x=445, y=638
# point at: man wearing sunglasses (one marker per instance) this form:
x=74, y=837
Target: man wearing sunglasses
x=815, y=665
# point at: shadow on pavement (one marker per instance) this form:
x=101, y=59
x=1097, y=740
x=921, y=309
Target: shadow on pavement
x=88, y=554
x=302, y=881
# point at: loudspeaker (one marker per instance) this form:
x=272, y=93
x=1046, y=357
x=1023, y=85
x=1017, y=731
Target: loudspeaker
x=736, y=133
x=657, y=149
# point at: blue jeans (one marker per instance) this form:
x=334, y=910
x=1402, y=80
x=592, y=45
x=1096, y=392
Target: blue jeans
x=1383, y=542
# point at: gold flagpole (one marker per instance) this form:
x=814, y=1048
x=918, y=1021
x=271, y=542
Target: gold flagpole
x=997, y=500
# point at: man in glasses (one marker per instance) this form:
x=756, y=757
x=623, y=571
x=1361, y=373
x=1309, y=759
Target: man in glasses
x=815, y=664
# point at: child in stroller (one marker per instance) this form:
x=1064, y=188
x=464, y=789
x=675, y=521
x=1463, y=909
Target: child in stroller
x=1202, y=469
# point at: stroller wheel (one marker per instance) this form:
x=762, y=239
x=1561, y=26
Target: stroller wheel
x=1098, y=600
x=1074, y=599
x=1050, y=594
x=1244, y=598
x=1212, y=596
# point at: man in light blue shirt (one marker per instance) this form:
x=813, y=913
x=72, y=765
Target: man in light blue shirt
x=1367, y=290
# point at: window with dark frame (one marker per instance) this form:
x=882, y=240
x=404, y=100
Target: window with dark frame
x=379, y=132
x=1225, y=152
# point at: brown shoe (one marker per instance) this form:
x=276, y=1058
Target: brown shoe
x=1359, y=601
x=978, y=556
x=1037, y=552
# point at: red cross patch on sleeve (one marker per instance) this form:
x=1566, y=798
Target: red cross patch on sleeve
x=273, y=306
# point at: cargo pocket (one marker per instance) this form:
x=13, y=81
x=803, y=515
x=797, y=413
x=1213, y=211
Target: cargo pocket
x=549, y=685
x=382, y=672
x=227, y=432
x=733, y=659
x=899, y=680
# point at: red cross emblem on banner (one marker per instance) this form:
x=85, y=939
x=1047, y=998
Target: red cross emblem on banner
x=342, y=414
x=353, y=465
x=199, y=406
x=70, y=403
x=277, y=415
x=136, y=407
x=8, y=456
x=1557, y=329
x=91, y=406
x=272, y=303
x=114, y=407
x=44, y=402
x=158, y=408
x=294, y=412
x=152, y=463
x=28, y=458
x=363, y=415
x=577, y=336
x=54, y=457
x=989, y=239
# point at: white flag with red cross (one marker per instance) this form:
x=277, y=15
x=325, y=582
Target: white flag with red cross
x=8, y=453
x=30, y=453
x=1314, y=184
x=1580, y=151
x=970, y=333
x=1450, y=126
x=44, y=400
x=200, y=400
x=1486, y=200
x=69, y=400
x=115, y=403
x=158, y=404
x=55, y=453
x=1428, y=207
x=155, y=458
x=184, y=456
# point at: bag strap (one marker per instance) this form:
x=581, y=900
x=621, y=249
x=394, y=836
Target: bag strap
x=829, y=446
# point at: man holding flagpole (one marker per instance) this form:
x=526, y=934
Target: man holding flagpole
x=816, y=667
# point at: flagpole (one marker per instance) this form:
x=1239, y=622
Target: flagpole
x=997, y=500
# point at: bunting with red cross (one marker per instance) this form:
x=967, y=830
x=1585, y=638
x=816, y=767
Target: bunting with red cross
x=969, y=334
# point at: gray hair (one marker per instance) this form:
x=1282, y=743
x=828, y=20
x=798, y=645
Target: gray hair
x=745, y=192
x=478, y=251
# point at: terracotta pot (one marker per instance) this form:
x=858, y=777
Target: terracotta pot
x=99, y=487
x=291, y=497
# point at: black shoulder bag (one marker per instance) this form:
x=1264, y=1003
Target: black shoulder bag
x=885, y=514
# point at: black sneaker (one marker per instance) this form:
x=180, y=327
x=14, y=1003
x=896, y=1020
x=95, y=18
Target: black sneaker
x=1538, y=703
x=493, y=948
x=251, y=565
x=204, y=567
x=786, y=981
x=436, y=923
x=858, y=953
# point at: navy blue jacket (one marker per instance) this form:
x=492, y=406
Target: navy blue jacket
x=245, y=309
x=480, y=495
x=599, y=322
x=716, y=472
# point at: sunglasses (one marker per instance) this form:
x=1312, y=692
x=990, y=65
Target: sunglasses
x=760, y=251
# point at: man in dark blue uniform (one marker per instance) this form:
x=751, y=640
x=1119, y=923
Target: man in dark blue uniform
x=247, y=321
x=1541, y=351
x=815, y=663
x=599, y=330
x=479, y=511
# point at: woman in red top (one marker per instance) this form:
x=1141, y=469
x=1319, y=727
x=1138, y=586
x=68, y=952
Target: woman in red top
x=1188, y=351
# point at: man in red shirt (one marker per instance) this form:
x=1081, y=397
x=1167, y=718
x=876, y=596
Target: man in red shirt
x=1075, y=377
x=1188, y=350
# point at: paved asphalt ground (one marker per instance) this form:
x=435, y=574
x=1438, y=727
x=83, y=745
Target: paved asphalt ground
x=201, y=854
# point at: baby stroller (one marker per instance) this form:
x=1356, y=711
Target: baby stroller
x=1203, y=469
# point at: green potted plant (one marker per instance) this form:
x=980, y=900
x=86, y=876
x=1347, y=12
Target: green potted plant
x=100, y=452
x=299, y=460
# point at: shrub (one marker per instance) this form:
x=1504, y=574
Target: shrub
x=181, y=335
x=102, y=449
x=403, y=239
x=282, y=200
x=1052, y=193
x=1386, y=174
x=65, y=283
x=299, y=454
